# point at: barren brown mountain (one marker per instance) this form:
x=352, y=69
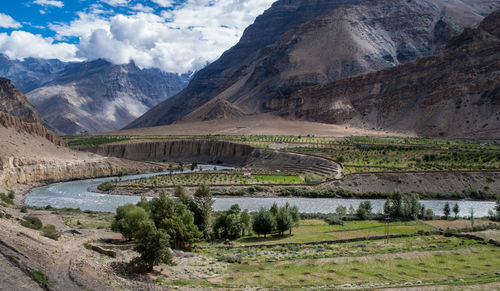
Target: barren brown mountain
x=284, y=51
x=14, y=102
x=455, y=93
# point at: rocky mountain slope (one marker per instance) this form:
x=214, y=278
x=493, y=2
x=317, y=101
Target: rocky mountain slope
x=91, y=96
x=30, y=73
x=455, y=93
x=13, y=101
x=335, y=40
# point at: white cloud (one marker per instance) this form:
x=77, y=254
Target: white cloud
x=180, y=40
x=8, y=22
x=81, y=27
x=21, y=44
x=142, y=8
x=55, y=3
x=116, y=2
x=164, y=3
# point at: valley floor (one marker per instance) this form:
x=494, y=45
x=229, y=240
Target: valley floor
x=423, y=259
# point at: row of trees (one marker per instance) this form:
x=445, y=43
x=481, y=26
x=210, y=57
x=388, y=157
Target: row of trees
x=179, y=222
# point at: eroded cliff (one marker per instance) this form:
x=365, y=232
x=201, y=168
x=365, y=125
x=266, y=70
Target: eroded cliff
x=217, y=152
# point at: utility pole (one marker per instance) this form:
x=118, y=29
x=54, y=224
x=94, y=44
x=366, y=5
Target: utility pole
x=386, y=228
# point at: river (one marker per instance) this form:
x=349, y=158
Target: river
x=75, y=194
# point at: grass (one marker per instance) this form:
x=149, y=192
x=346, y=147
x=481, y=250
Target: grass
x=88, y=140
x=77, y=218
x=427, y=269
x=214, y=178
x=413, y=261
x=318, y=230
x=40, y=277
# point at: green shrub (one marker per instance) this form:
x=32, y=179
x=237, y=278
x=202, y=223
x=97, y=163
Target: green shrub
x=230, y=259
x=6, y=199
x=40, y=277
x=50, y=231
x=106, y=186
x=448, y=232
x=11, y=194
x=24, y=209
x=334, y=219
x=32, y=222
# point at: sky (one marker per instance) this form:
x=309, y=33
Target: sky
x=178, y=36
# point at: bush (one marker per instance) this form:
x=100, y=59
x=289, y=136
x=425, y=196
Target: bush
x=448, y=232
x=6, y=199
x=106, y=186
x=24, y=209
x=11, y=194
x=32, y=222
x=229, y=259
x=334, y=219
x=50, y=231
x=40, y=277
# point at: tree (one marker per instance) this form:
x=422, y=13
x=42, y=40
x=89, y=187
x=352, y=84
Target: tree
x=179, y=191
x=128, y=219
x=177, y=221
x=204, y=200
x=170, y=169
x=229, y=223
x=446, y=210
x=497, y=209
x=295, y=214
x=263, y=222
x=352, y=211
x=284, y=220
x=456, y=210
x=180, y=227
x=274, y=209
x=246, y=222
x=364, y=210
x=152, y=246
x=341, y=210
x=472, y=217
x=404, y=206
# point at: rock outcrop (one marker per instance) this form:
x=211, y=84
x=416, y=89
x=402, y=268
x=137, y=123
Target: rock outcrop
x=297, y=44
x=13, y=102
x=455, y=93
x=217, y=152
x=9, y=121
x=71, y=170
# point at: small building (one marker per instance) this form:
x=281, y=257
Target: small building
x=247, y=175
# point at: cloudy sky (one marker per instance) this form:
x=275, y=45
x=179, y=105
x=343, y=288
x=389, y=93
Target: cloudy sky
x=173, y=35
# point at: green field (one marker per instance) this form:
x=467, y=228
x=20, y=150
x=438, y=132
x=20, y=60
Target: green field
x=318, y=230
x=213, y=179
x=411, y=261
x=89, y=140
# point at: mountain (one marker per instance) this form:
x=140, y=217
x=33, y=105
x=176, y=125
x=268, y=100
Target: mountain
x=30, y=73
x=13, y=102
x=454, y=93
x=99, y=96
x=88, y=97
x=300, y=43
